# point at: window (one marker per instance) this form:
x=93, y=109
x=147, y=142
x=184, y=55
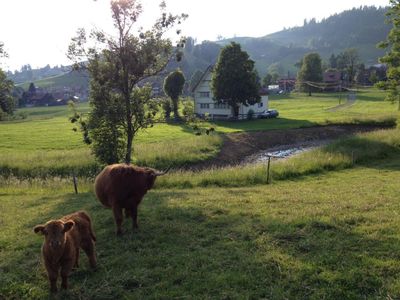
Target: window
x=221, y=106
x=204, y=105
x=204, y=94
x=260, y=104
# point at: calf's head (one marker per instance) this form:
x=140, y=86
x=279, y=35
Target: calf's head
x=54, y=232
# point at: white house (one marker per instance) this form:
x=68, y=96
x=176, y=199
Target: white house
x=204, y=103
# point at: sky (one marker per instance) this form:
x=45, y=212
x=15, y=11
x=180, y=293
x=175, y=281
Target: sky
x=37, y=32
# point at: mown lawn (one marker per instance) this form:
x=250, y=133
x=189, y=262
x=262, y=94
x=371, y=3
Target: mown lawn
x=334, y=236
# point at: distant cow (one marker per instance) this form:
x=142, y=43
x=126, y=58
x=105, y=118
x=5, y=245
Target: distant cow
x=62, y=240
x=122, y=186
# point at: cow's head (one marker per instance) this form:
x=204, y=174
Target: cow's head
x=152, y=174
x=54, y=232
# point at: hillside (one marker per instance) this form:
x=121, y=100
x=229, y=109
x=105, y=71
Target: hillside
x=360, y=28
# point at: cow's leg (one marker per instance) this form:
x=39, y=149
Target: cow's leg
x=65, y=271
x=76, y=265
x=134, y=217
x=89, y=248
x=118, y=218
x=52, y=273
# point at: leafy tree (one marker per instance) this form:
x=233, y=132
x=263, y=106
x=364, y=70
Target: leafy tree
x=32, y=88
x=391, y=58
x=333, y=61
x=7, y=101
x=360, y=75
x=310, y=72
x=167, y=107
x=119, y=106
x=234, y=80
x=173, y=86
x=350, y=62
x=267, y=80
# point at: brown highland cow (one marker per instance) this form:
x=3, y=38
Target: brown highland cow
x=122, y=186
x=62, y=240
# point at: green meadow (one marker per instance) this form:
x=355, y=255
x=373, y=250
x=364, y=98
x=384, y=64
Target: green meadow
x=333, y=235
x=45, y=144
x=327, y=227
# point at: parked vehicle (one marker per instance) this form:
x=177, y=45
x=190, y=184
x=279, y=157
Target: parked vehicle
x=267, y=114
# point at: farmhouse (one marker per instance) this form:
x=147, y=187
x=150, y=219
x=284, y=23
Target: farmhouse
x=204, y=104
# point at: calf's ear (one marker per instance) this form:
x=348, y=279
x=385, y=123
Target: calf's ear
x=38, y=228
x=68, y=225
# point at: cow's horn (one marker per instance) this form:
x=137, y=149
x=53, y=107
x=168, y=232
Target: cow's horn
x=158, y=173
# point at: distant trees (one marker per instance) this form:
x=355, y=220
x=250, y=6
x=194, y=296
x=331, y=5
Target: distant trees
x=267, y=80
x=234, y=79
x=310, y=71
x=392, y=44
x=173, y=87
x=119, y=106
x=7, y=101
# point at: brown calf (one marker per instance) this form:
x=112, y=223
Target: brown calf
x=62, y=240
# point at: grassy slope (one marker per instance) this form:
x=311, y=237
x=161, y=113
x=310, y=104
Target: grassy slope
x=334, y=236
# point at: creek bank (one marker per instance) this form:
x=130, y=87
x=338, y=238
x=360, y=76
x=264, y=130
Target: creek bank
x=237, y=147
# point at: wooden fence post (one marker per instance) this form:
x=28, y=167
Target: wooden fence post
x=75, y=180
x=268, y=167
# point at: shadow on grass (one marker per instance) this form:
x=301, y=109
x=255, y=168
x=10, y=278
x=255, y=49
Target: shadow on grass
x=202, y=250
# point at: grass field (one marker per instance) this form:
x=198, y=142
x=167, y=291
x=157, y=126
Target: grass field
x=326, y=228
x=334, y=236
x=45, y=138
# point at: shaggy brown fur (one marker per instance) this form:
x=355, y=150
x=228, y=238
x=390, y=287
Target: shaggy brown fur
x=62, y=240
x=122, y=186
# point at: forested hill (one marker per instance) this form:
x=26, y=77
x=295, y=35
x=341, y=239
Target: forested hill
x=360, y=28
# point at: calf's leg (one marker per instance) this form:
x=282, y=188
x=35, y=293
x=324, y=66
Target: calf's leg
x=66, y=269
x=89, y=248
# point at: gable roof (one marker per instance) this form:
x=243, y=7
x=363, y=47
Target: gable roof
x=209, y=69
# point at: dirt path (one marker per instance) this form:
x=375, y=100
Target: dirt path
x=237, y=146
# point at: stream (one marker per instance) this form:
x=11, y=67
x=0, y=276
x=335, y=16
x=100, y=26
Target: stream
x=284, y=151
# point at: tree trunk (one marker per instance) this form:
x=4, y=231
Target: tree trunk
x=175, y=108
x=129, y=131
x=128, y=156
x=309, y=90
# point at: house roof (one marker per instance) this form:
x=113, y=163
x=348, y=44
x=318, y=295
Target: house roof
x=209, y=69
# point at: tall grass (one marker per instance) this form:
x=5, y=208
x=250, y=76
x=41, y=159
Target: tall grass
x=80, y=162
x=344, y=153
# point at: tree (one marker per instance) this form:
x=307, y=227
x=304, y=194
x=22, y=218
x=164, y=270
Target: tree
x=173, y=86
x=333, y=61
x=392, y=43
x=234, y=80
x=120, y=104
x=7, y=101
x=267, y=80
x=352, y=60
x=310, y=72
x=32, y=88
